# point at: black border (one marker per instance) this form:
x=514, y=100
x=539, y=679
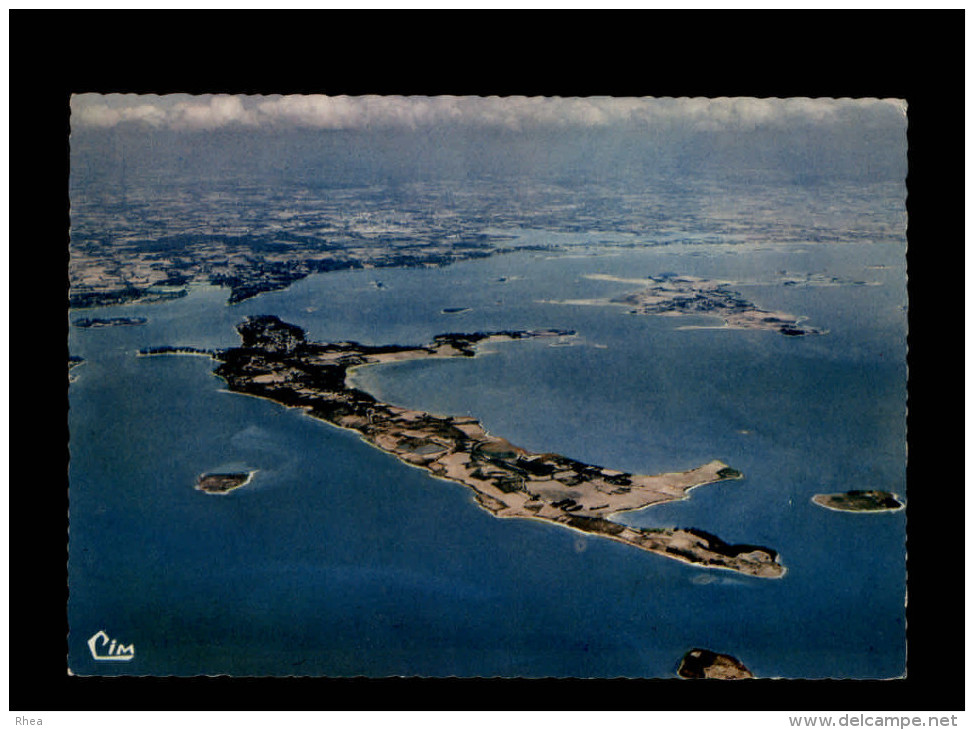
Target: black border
x=914, y=55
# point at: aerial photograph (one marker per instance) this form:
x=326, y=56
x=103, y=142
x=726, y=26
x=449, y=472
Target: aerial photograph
x=487, y=386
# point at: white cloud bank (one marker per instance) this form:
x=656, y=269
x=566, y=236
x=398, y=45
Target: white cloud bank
x=183, y=112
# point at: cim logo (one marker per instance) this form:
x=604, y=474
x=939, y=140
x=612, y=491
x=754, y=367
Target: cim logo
x=105, y=649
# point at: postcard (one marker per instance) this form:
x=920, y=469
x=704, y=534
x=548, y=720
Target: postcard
x=487, y=387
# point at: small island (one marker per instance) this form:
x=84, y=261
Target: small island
x=89, y=322
x=856, y=500
x=176, y=350
x=276, y=362
x=706, y=664
x=223, y=483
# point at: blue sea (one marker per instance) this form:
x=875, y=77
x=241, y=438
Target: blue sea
x=339, y=560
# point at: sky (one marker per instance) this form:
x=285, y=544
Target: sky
x=376, y=139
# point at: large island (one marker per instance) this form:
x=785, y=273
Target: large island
x=275, y=361
x=673, y=295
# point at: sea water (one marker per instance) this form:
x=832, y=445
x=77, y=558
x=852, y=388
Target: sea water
x=339, y=560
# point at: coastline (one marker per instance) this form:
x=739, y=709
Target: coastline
x=686, y=493
x=561, y=525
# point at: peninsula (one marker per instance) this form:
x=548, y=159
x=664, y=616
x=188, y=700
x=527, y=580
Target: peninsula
x=856, y=500
x=706, y=664
x=276, y=362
